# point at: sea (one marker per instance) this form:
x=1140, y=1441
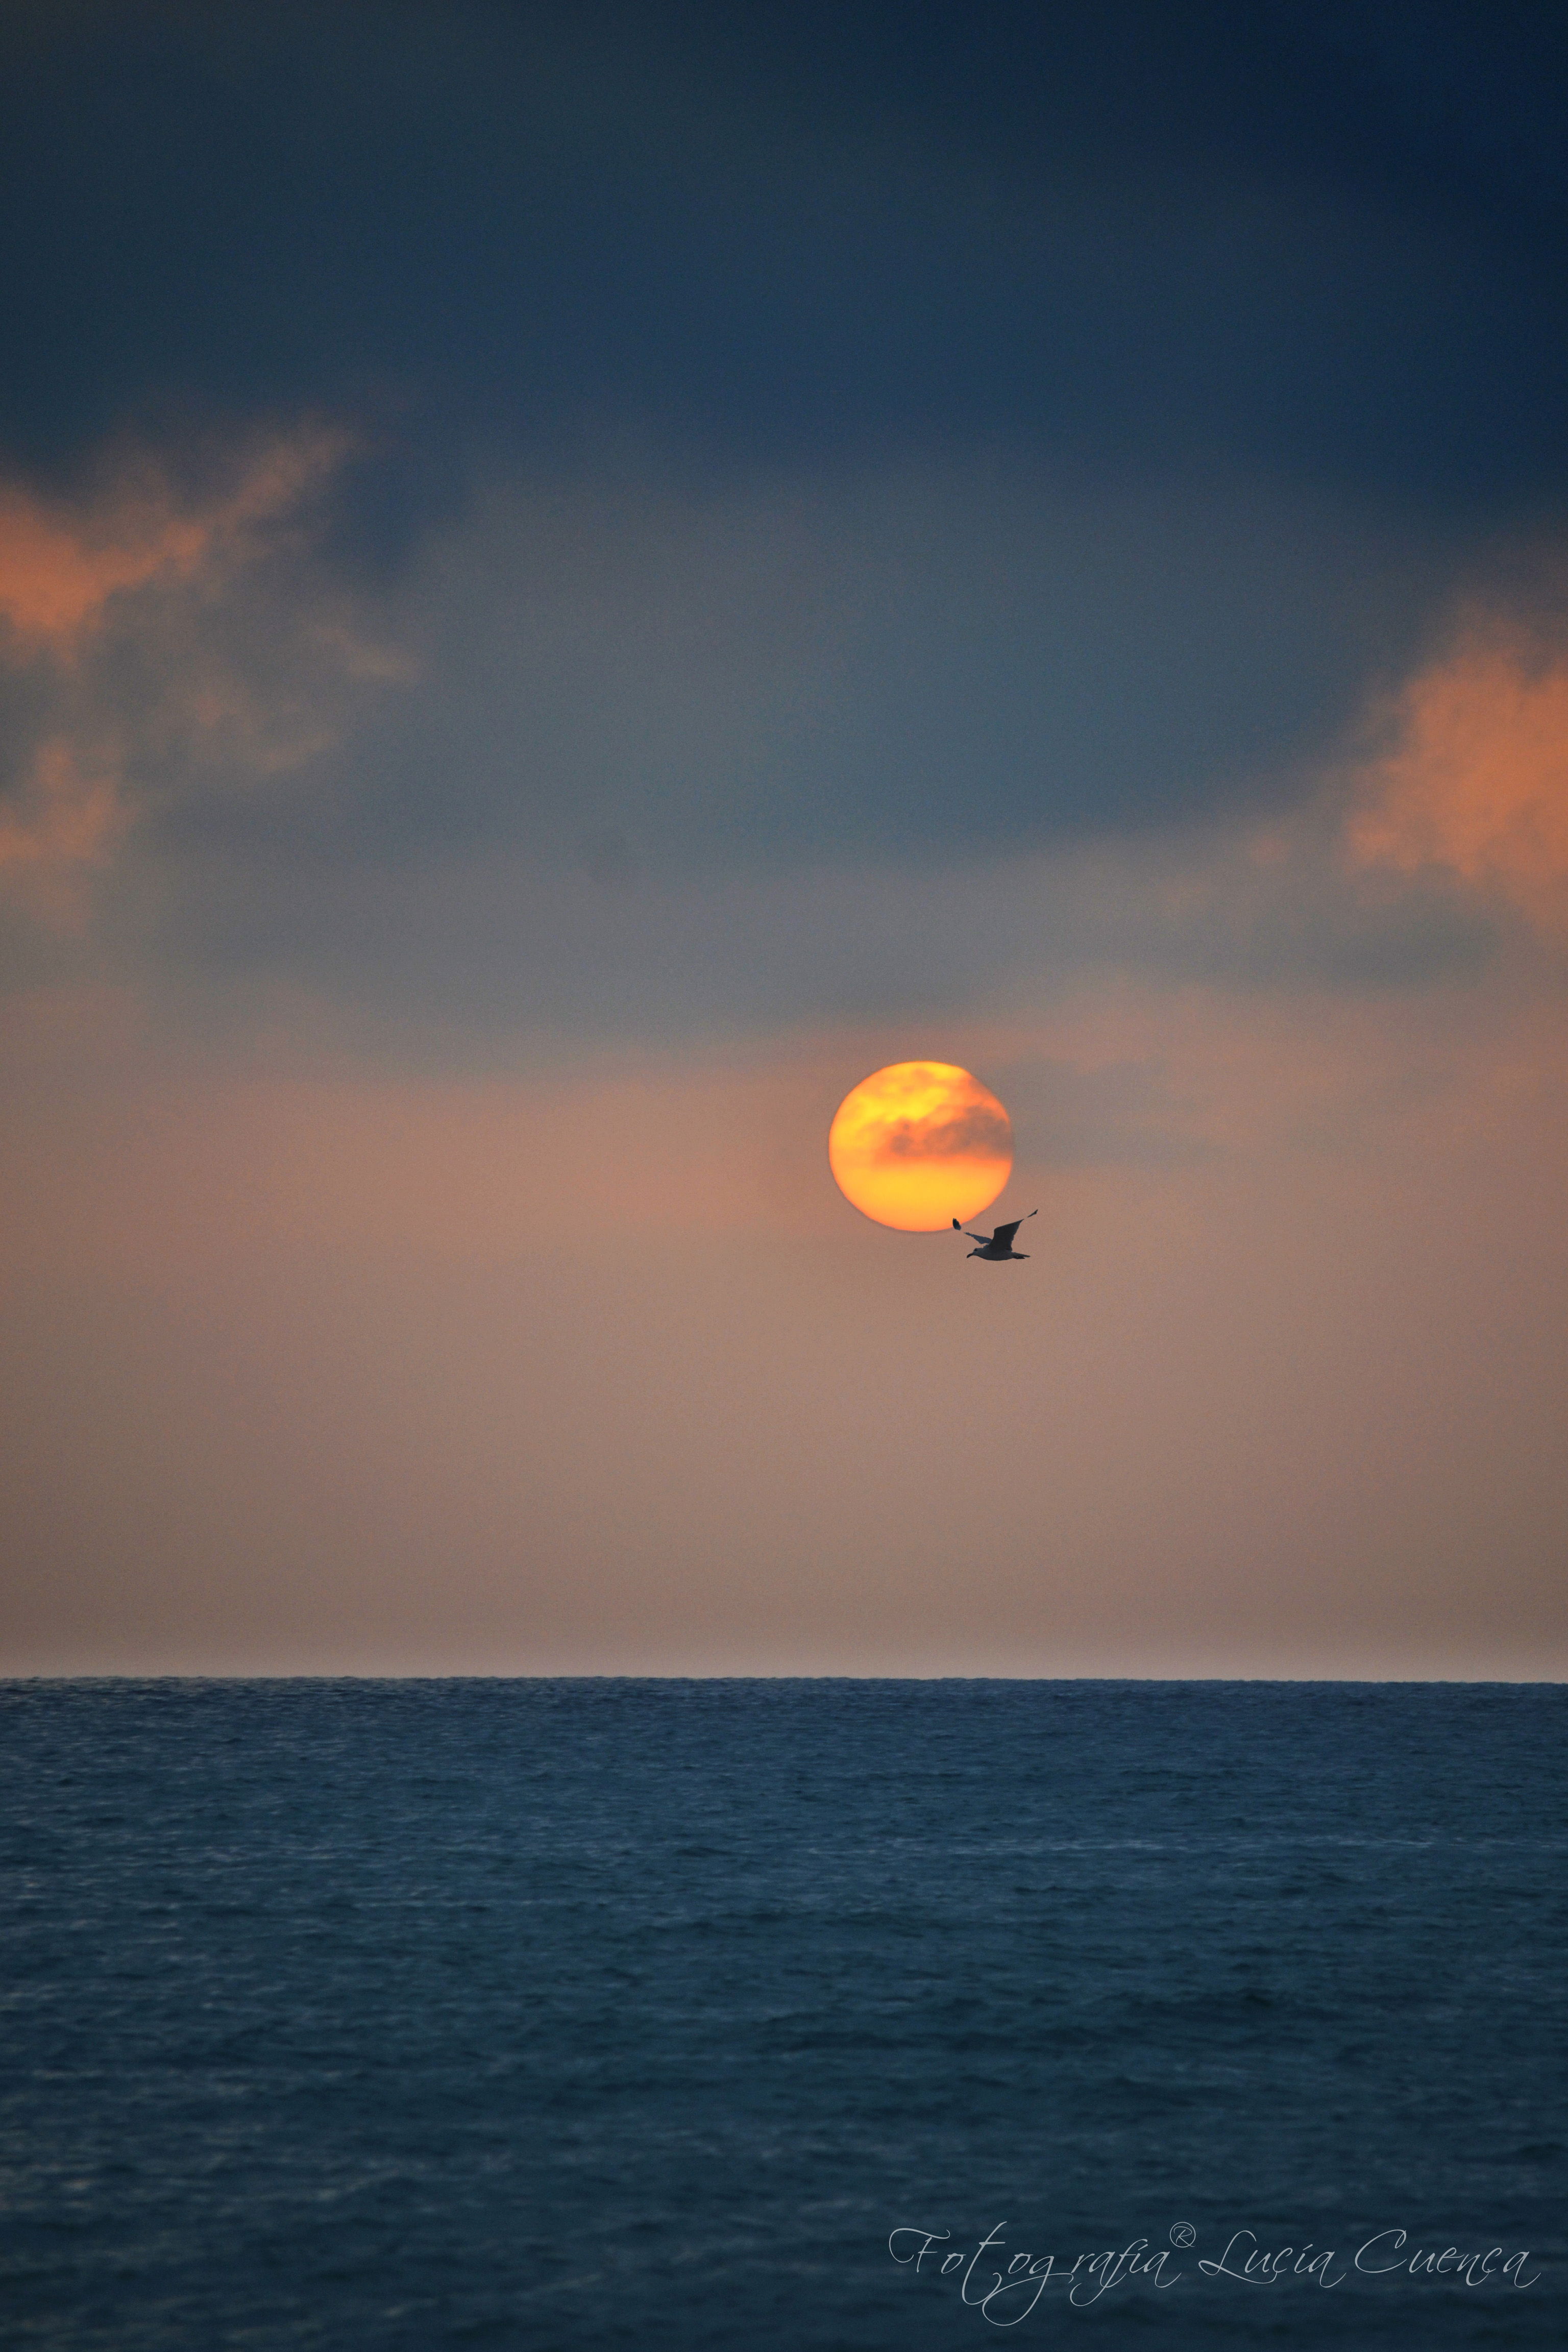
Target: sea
x=872, y=2016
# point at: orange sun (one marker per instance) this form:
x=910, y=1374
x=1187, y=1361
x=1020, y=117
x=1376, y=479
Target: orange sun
x=920, y=1143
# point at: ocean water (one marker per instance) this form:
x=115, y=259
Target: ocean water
x=669, y=2014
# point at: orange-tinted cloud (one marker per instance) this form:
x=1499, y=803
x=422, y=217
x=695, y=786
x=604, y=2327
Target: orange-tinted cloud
x=63, y=822
x=165, y=567
x=1477, y=784
x=60, y=566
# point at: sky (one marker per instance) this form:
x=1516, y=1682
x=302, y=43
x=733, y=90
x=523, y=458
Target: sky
x=573, y=580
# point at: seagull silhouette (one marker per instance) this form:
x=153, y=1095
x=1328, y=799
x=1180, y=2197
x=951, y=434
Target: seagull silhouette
x=998, y=1245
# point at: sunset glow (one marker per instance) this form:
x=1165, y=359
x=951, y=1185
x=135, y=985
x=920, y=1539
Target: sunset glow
x=918, y=1143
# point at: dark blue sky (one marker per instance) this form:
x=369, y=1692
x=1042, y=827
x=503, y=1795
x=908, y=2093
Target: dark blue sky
x=1332, y=240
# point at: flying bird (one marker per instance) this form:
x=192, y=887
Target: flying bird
x=998, y=1245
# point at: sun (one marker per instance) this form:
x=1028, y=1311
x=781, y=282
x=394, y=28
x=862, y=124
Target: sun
x=920, y=1143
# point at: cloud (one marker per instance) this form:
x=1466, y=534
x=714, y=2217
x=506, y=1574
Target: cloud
x=978, y=1132
x=61, y=564
x=1477, y=785
x=162, y=646
x=54, y=581
x=642, y=676
x=60, y=827
x=616, y=751
x=627, y=666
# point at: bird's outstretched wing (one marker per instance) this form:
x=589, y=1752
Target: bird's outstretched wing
x=1002, y=1236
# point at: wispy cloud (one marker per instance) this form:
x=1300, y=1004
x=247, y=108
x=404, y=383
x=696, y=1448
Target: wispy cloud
x=60, y=827
x=141, y=663
x=60, y=563
x=1477, y=785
